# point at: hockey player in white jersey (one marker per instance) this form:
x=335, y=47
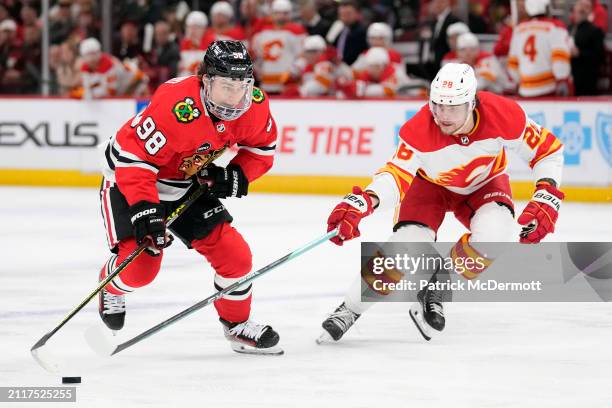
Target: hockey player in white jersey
x=539, y=57
x=452, y=157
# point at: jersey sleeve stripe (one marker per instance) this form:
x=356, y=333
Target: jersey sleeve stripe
x=261, y=151
x=402, y=178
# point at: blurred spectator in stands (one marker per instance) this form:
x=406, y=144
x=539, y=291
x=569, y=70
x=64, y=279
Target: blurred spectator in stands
x=312, y=20
x=477, y=12
x=539, y=57
x=86, y=24
x=4, y=13
x=250, y=19
x=67, y=73
x=20, y=59
x=104, y=75
x=599, y=15
x=10, y=52
x=434, y=43
x=29, y=16
x=193, y=45
x=379, y=35
x=127, y=45
x=380, y=79
x=502, y=46
x=489, y=72
x=161, y=63
x=452, y=32
x=222, y=25
x=170, y=16
x=315, y=72
x=60, y=24
x=276, y=46
x=587, y=51
x=348, y=34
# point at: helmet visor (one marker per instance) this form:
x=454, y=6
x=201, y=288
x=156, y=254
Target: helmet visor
x=228, y=98
x=449, y=113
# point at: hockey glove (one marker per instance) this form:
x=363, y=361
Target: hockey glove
x=224, y=182
x=539, y=217
x=148, y=222
x=348, y=214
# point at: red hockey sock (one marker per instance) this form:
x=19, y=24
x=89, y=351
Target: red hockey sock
x=230, y=256
x=140, y=272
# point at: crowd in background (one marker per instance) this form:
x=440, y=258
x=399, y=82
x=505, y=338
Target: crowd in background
x=305, y=48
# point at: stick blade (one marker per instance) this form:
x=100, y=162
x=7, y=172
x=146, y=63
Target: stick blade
x=46, y=360
x=99, y=340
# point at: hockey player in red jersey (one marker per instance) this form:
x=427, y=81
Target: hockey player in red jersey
x=452, y=157
x=162, y=154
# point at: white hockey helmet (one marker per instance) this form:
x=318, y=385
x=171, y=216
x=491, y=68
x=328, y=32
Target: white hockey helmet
x=282, y=6
x=467, y=40
x=457, y=28
x=454, y=84
x=314, y=43
x=536, y=7
x=89, y=46
x=380, y=30
x=223, y=8
x=196, y=18
x=377, y=56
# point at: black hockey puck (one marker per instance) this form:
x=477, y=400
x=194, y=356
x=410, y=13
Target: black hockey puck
x=71, y=380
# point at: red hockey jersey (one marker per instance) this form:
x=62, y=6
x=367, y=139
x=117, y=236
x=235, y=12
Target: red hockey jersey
x=155, y=154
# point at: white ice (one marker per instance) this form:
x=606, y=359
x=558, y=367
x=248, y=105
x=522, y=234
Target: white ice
x=491, y=355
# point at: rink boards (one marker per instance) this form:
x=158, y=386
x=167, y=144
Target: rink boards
x=324, y=146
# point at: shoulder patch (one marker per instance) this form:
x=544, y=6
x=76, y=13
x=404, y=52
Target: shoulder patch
x=185, y=111
x=258, y=95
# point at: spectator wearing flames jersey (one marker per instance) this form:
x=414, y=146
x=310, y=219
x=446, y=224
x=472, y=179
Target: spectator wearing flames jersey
x=452, y=33
x=379, y=35
x=489, y=72
x=315, y=72
x=276, y=46
x=104, y=75
x=379, y=79
x=193, y=45
x=222, y=25
x=539, y=57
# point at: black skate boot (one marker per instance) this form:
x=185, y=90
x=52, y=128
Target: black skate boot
x=251, y=338
x=428, y=312
x=111, y=307
x=337, y=324
x=112, y=310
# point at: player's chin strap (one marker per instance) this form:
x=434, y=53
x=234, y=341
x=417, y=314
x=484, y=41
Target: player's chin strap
x=44, y=359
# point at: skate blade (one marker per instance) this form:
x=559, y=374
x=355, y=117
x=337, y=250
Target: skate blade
x=325, y=338
x=246, y=349
x=99, y=340
x=417, y=318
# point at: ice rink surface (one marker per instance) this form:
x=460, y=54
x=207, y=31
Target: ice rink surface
x=490, y=355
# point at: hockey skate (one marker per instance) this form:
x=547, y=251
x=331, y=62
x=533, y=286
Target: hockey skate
x=337, y=324
x=428, y=312
x=111, y=308
x=251, y=338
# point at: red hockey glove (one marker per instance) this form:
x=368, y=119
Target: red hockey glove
x=348, y=214
x=539, y=217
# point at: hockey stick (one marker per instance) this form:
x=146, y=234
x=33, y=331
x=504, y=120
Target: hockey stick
x=105, y=347
x=47, y=363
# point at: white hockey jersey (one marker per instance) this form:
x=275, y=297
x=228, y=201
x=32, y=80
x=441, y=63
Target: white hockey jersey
x=465, y=163
x=112, y=78
x=539, y=56
x=275, y=48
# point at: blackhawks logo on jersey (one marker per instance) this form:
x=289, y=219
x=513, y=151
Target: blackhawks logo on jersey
x=196, y=162
x=258, y=95
x=185, y=111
